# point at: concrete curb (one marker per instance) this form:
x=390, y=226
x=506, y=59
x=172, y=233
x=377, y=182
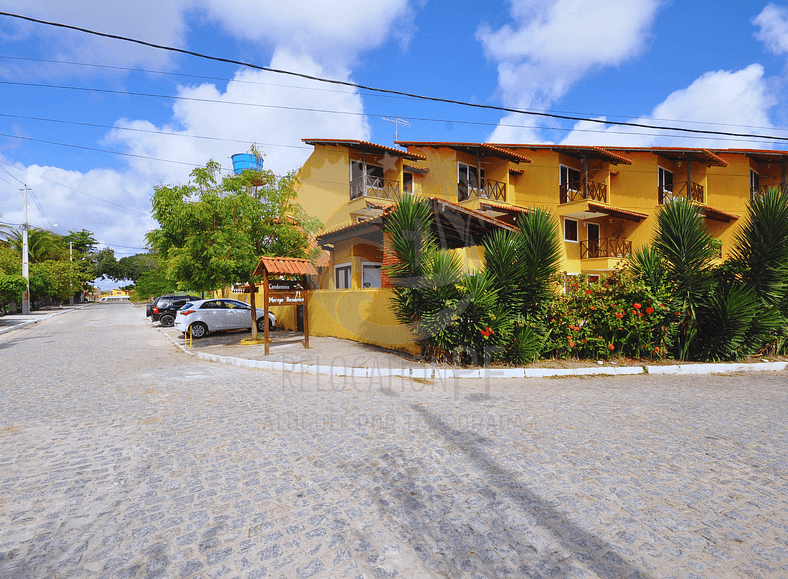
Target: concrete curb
x=486, y=373
x=27, y=323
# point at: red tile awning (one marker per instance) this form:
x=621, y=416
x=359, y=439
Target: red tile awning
x=717, y=215
x=285, y=266
x=616, y=212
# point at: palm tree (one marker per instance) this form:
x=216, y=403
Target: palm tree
x=42, y=245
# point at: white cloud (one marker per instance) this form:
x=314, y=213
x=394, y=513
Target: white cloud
x=334, y=32
x=730, y=101
x=316, y=38
x=111, y=204
x=555, y=43
x=772, y=25
x=275, y=122
x=148, y=20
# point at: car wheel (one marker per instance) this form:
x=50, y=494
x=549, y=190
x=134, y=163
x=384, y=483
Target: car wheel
x=148, y=311
x=166, y=321
x=199, y=330
x=260, y=325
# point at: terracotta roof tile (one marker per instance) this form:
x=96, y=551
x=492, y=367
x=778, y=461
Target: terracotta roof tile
x=503, y=207
x=285, y=266
x=366, y=145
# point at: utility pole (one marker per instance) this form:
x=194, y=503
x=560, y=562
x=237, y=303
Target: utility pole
x=25, y=265
x=71, y=269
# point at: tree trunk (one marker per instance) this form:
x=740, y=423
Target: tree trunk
x=253, y=290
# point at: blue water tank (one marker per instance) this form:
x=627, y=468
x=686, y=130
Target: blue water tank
x=246, y=161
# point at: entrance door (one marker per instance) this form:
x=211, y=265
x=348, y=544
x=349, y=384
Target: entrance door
x=593, y=240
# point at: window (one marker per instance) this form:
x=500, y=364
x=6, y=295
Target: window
x=357, y=169
x=467, y=181
x=665, y=180
x=342, y=273
x=570, y=178
x=570, y=230
x=370, y=276
x=593, y=278
x=755, y=181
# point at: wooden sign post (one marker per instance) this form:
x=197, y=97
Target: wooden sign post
x=285, y=292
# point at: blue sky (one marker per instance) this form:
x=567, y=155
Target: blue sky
x=719, y=65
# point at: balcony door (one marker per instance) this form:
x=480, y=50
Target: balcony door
x=665, y=185
x=468, y=181
x=593, y=240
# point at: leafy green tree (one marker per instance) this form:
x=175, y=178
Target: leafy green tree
x=81, y=241
x=133, y=266
x=214, y=231
x=105, y=265
x=153, y=283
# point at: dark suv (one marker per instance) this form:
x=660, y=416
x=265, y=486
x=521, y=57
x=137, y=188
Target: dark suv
x=164, y=308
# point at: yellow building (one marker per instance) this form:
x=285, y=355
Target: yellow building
x=605, y=199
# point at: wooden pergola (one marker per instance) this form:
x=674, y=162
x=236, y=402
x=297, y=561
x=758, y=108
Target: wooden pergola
x=291, y=291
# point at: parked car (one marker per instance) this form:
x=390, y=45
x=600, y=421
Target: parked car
x=204, y=316
x=164, y=308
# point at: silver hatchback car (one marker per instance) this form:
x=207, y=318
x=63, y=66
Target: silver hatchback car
x=204, y=316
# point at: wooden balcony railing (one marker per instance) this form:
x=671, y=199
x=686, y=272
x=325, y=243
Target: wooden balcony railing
x=679, y=191
x=575, y=192
x=594, y=248
x=489, y=190
x=375, y=187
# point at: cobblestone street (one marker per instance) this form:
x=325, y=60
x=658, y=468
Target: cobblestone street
x=121, y=457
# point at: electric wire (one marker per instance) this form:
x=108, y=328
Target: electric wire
x=388, y=91
x=240, y=81
x=78, y=191
x=148, y=131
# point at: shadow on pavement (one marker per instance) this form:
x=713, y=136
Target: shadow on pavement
x=508, y=530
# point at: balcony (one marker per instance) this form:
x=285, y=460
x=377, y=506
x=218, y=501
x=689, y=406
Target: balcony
x=379, y=187
x=489, y=190
x=669, y=193
x=578, y=190
x=595, y=248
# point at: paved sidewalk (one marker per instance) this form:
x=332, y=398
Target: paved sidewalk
x=335, y=357
x=17, y=321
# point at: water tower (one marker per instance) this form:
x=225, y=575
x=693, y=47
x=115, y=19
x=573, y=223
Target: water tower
x=249, y=162
x=246, y=162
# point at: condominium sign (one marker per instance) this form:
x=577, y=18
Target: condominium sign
x=285, y=293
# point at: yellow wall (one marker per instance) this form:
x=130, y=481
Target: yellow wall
x=362, y=316
x=324, y=190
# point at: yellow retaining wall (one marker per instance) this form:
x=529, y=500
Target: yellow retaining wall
x=359, y=315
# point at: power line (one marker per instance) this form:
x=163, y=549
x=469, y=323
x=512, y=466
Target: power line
x=390, y=91
x=228, y=80
x=78, y=191
x=12, y=176
x=697, y=135
x=97, y=150
x=169, y=133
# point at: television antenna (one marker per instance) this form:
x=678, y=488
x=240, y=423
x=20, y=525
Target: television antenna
x=397, y=122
